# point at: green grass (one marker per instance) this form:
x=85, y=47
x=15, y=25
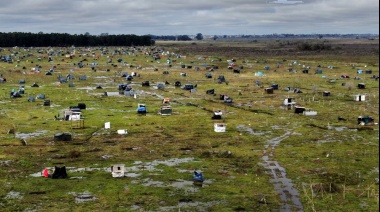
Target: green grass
x=312, y=154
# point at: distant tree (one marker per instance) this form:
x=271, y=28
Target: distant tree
x=183, y=37
x=199, y=36
x=215, y=37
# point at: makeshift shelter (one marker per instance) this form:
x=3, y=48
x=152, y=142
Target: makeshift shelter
x=361, y=86
x=63, y=137
x=35, y=85
x=269, y=90
x=82, y=106
x=46, y=102
x=198, y=177
x=221, y=78
x=318, y=71
x=211, y=91
x=118, y=170
x=166, y=110
x=299, y=110
x=326, y=93
x=141, y=108
x=15, y=95
x=59, y=172
x=309, y=112
x=122, y=132
x=188, y=86
x=145, y=83
x=274, y=86
x=161, y=85
x=368, y=71
x=31, y=99
x=129, y=78
x=288, y=102
x=41, y=96
x=217, y=115
x=111, y=93
x=220, y=127
x=208, y=75
x=366, y=120
x=359, y=97
x=227, y=99
x=71, y=115
x=177, y=84
x=22, y=81
x=305, y=71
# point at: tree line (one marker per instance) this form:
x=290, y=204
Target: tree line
x=27, y=39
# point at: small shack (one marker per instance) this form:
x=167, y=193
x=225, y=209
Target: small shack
x=326, y=93
x=63, y=137
x=217, y=114
x=269, y=90
x=309, y=112
x=47, y=102
x=299, y=110
x=166, y=110
x=274, y=86
x=288, y=102
x=220, y=127
x=118, y=170
x=59, y=173
x=141, y=108
x=359, y=97
x=188, y=87
x=161, y=85
x=361, y=86
x=366, y=120
x=72, y=115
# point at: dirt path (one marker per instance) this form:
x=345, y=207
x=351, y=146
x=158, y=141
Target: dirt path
x=284, y=186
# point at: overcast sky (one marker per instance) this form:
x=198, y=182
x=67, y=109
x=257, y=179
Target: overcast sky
x=189, y=17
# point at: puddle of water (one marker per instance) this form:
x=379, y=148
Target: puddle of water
x=284, y=186
x=13, y=195
x=129, y=171
x=132, y=175
x=83, y=197
x=340, y=129
x=191, y=206
x=30, y=135
x=249, y=130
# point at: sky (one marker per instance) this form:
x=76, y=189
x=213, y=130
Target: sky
x=190, y=17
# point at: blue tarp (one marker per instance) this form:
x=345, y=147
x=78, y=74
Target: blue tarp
x=198, y=176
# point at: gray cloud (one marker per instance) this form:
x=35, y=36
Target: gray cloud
x=168, y=17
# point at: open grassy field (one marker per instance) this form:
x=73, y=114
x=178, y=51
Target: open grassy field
x=268, y=159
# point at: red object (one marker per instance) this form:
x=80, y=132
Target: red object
x=45, y=172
